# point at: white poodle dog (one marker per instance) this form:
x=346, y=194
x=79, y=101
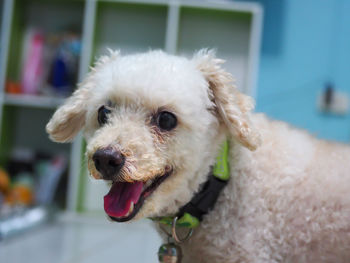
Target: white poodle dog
x=154, y=124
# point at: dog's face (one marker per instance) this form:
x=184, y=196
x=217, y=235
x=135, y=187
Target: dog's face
x=153, y=123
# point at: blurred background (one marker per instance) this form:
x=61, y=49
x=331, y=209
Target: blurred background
x=292, y=56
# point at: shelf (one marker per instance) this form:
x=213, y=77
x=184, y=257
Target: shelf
x=25, y=128
x=226, y=31
x=45, y=16
x=136, y=27
x=33, y=101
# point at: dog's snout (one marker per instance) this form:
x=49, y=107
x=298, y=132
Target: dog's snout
x=108, y=162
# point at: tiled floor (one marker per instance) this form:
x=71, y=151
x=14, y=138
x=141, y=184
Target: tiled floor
x=83, y=240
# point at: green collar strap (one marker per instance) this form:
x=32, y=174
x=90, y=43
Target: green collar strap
x=192, y=213
x=221, y=168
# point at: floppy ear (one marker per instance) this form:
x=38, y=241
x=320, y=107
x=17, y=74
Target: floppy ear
x=68, y=120
x=70, y=117
x=232, y=106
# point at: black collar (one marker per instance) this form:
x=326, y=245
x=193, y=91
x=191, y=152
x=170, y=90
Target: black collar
x=204, y=200
x=191, y=214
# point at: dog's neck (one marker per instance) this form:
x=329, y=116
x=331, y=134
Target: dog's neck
x=191, y=214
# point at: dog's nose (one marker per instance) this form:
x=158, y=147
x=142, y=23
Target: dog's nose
x=108, y=162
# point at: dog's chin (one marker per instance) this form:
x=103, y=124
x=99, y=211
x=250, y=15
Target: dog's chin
x=124, y=200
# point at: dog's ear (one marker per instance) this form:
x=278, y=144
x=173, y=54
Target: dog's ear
x=68, y=120
x=70, y=117
x=232, y=106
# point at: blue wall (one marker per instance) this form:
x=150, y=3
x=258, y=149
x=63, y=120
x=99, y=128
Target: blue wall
x=306, y=43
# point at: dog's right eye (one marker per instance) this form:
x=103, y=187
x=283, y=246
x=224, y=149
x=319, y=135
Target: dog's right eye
x=102, y=116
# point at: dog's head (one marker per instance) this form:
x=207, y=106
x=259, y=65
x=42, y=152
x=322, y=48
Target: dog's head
x=153, y=124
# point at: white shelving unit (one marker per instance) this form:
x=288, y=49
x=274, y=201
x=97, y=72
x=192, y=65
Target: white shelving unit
x=42, y=102
x=176, y=26
x=23, y=117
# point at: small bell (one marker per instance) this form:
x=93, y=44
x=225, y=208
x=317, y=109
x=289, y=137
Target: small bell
x=169, y=253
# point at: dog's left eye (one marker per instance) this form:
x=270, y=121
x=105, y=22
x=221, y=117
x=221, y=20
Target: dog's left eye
x=102, y=116
x=166, y=120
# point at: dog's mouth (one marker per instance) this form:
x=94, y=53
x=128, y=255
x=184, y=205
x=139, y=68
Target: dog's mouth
x=124, y=200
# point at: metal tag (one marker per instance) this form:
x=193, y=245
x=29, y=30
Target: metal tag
x=169, y=253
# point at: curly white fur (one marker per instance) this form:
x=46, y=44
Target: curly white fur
x=287, y=201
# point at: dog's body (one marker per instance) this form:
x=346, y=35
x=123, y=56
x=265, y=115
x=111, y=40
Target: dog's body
x=154, y=123
x=288, y=201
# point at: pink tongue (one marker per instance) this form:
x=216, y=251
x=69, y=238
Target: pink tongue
x=118, y=201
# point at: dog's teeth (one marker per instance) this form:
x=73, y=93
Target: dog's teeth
x=130, y=209
x=148, y=183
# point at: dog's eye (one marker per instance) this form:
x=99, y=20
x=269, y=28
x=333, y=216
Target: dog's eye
x=166, y=120
x=102, y=116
